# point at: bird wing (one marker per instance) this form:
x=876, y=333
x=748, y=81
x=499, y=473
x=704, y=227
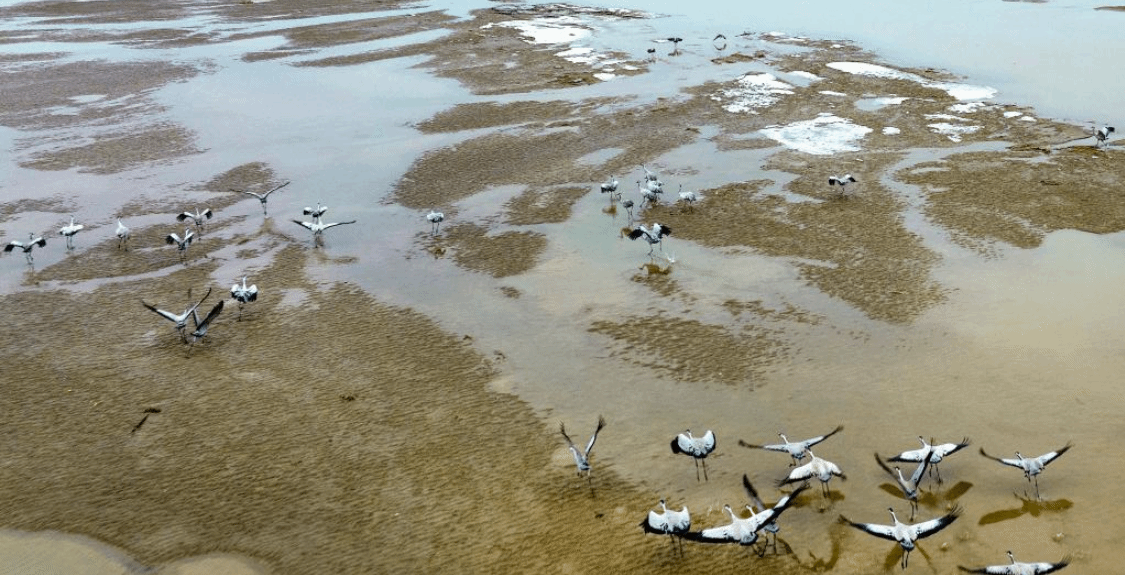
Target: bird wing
x=884, y=531
x=201, y=326
x=948, y=448
x=799, y=474
x=815, y=440
x=256, y=195
x=172, y=239
x=914, y=455
x=265, y=195
x=919, y=472
x=185, y=216
x=678, y=521
x=1049, y=457
x=326, y=226
x=208, y=213
x=594, y=437
x=723, y=534
x=13, y=245
x=1005, y=461
x=927, y=528
x=308, y=225
x=656, y=523
x=772, y=447
x=636, y=233
x=252, y=293
x=165, y=314
x=39, y=242
x=660, y=231
x=753, y=493
x=1044, y=567
x=191, y=310
x=562, y=430
x=708, y=441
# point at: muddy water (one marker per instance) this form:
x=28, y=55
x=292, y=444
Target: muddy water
x=391, y=402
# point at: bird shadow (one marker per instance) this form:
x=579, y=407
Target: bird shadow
x=933, y=498
x=1029, y=506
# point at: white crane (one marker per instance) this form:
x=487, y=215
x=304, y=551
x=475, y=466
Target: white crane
x=821, y=469
x=243, y=294
x=122, y=234
x=582, y=458
x=697, y=447
x=843, y=182
x=795, y=449
x=180, y=320
x=181, y=243
x=909, y=487
x=264, y=197
x=770, y=528
x=745, y=531
x=651, y=176
x=316, y=212
x=1031, y=466
x=610, y=187
x=688, y=197
x=318, y=226
x=201, y=326
x=628, y=205
x=435, y=220
x=654, y=235
x=1019, y=568
x=198, y=217
x=906, y=534
x=69, y=230
x=32, y=241
x=1102, y=134
x=675, y=40
x=668, y=522
x=937, y=453
x=648, y=196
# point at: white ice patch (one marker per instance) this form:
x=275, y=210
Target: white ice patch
x=831, y=93
x=1027, y=119
x=961, y=92
x=807, y=75
x=952, y=131
x=1012, y=114
x=554, y=31
x=826, y=134
x=967, y=107
x=753, y=91
x=891, y=131
x=579, y=55
x=604, y=76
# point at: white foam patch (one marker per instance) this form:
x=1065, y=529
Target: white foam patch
x=604, y=76
x=554, y=31
x=823, y=135
x=890, y=100
x=752, y=91
x=1027, y=119
x=831, y=93
x=891, y=131
x=1012, y=114
x=961, y=92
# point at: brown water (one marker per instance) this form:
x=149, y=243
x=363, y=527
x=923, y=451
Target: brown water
x=391, y=403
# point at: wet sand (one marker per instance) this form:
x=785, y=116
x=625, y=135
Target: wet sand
x=391, y=404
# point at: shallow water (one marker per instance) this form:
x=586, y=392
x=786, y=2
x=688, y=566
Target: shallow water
x=1022, y=354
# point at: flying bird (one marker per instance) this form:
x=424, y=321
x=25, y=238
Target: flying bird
x=69, y=230
x=435, y=220
x=1102, y=134
x=582, y=458
x=180, y=320
x=770, y=528
x=904, y=533
x=697, y=447
x=669, y=521
x=318, y=226
x=745, y=531
x=122, y=234
x=243, y=294
x=1018, y=568
x=181, y=243
x=821, y=469
x=197, y=218
x=31, y=242
x=843, y=182
x=653, y=236
x=316, y=212
x=264, y=197
x=1031, y=466
x=795, y=449
x=909, y=487
x=201, y=326
x=937, y=453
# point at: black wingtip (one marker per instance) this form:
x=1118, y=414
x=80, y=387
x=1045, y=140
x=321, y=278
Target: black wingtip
x=676, y=446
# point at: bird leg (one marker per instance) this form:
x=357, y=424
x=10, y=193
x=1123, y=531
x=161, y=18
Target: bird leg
x=704, y=471
x=696, y=469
